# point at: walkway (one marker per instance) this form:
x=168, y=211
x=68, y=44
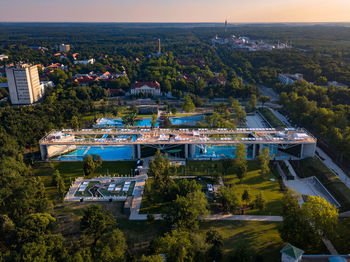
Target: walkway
x=332, y=166
x=320, y=154
x=231, y=217
x=138, y=193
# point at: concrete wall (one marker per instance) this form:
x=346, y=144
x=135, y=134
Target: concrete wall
x=308, y=150
x=48, y=151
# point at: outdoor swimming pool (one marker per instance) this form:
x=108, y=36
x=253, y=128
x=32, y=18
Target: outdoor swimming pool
x=214, y=152
x=146, y=121
x=105, y=152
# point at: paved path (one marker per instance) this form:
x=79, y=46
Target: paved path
x=325, y=159
x=330, y=246
x=137, y=199
x=244, y=218
x=138, y=193
x=333, y=166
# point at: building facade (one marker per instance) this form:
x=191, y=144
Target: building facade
x=64, y=48
x=146, y=88
x=2, y=57
x=24, y=84
x=90, y=61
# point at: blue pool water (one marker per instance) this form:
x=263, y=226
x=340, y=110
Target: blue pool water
x=186, y=120
x=106, y=153
x=217, y=152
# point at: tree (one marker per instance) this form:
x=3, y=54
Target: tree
x=188, y=105
x=295, y=227
x=226, y=165
x=152, y=258
x=173, y=109
x=259, y=202
x=213, y=238
x=35, y=226
x=240, y=161
x=187, y=210
x=246, y=196
x=90, y=163
x=181, y=246
x=264, y=99
x=111, y=247
x=322, y=215
x=159, y=168
x=229, y=199
x=251, y=104
x=264, y=160
x=154, y=121
x=243, y=253
x=129, y=119
x=61, y=188
x=75, y=122
x=96, y=221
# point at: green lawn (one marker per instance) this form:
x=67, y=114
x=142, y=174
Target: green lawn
x=271, y=118
x=314, y=167
x=201, y=168
x=86, y=193
x=256, y=183
x=263, y=237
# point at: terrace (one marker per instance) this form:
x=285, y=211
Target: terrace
x=177, y=136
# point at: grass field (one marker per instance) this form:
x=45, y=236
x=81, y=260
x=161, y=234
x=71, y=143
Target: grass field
x=201, y=168
x=262, y=237
x=271, y=118
x=314, y=167
x=256, y=183
x=70, y=170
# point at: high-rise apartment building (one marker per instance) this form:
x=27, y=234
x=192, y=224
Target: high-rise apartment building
x=24, y=84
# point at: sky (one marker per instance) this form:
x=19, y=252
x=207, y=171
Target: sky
x=235, y=11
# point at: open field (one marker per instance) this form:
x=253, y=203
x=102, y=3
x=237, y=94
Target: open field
x=314, y=167
x=262, y=237
x=256, y=183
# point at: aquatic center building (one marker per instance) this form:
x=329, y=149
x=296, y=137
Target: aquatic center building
x=201, y=144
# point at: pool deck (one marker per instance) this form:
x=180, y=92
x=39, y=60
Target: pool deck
x=178, y=136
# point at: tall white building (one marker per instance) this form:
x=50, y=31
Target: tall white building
x=24, y=84
x=64, y=48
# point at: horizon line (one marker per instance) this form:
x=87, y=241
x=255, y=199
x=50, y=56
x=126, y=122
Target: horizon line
x=173, y=22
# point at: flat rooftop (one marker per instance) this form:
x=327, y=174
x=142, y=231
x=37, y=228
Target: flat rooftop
x=178, y=136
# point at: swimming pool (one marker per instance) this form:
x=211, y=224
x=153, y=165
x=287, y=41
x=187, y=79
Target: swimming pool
x=211, y=151
x=146, y=121
x=105, y=152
